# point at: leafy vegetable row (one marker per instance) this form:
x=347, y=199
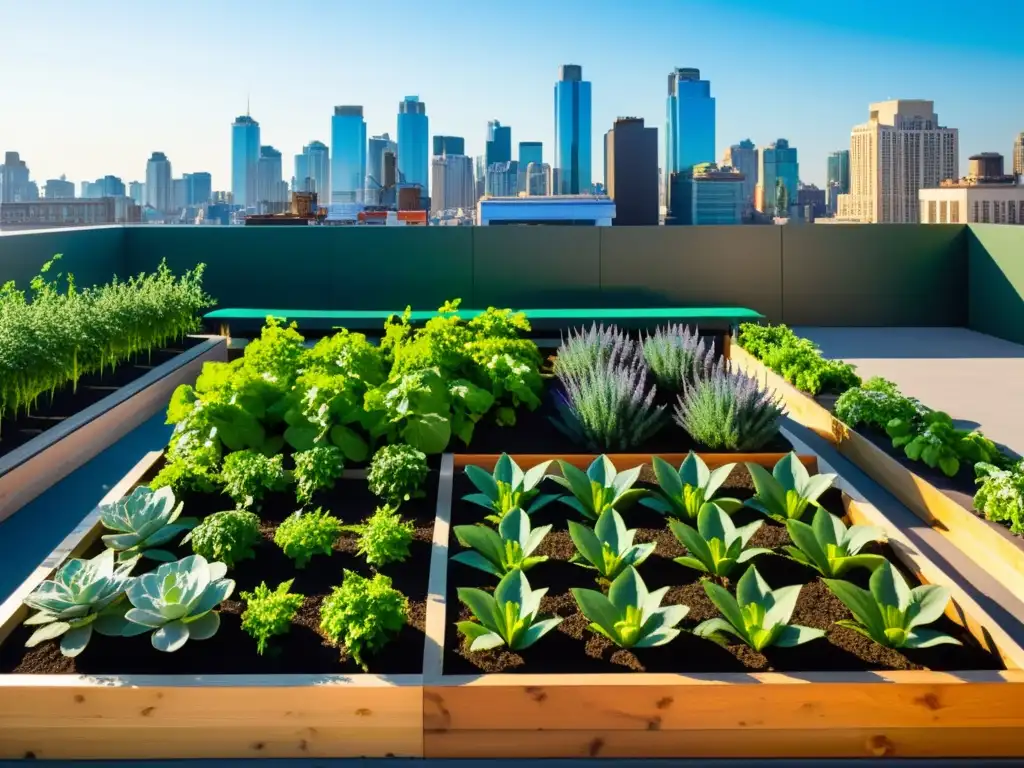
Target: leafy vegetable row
x=796, y=359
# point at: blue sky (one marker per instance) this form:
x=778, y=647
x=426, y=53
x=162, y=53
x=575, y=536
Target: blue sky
x=94, y=87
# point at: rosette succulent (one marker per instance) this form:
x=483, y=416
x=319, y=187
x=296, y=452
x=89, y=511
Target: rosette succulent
x=143, y=521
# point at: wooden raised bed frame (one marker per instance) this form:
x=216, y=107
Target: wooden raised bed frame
x=855, y=714
x=989, y=544
x=48, y=458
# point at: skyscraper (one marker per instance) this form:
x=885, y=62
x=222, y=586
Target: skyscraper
x=300, y=178
x=530, y=152
x=449, y=145
x=414, y=142
x=158, y=183
x=378, y=146
x=838, y=181
x=316, y=167
x=503, y=179
x=538, y=179
x=572, y=131
x=245, y=158
x=1018, y=155
x=200, y=188
x=136, y=191
x=452, y=184
x=348, y=155
x=631, y=171
x=499, y=143
x=59, y=189
x=269, y=175
x=690, y=122
x=716, y=196
x=15, y=186
x=901, y=150
x=777, y=162
x=743, y=158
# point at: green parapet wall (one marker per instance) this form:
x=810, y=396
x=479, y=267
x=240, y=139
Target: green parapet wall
x=996, y=280
x=92, y=255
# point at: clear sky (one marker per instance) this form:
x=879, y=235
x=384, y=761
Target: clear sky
x=92, y=87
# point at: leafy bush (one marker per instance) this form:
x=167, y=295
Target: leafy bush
x=143, y=520
x=677, y=357
x=630, y=616
x=729, y=411
x=308, y=533
x=269, y=613
x=226, y=536
x=384, y=537
x=508, y=488
x=315, y=470
x=786, y=492
x=796, y=359
x=508, y=617
x=875, y=404
x=1001, y=495
x=363, y=614
x=248, y=476
x=497, y=553
x=397, y=473
x=277, y=354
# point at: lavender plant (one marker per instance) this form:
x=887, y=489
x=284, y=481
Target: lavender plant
x=729, y=411
x=582, y=351
x=677, y=357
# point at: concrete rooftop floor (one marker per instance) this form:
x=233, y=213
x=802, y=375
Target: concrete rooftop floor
x=975, y=378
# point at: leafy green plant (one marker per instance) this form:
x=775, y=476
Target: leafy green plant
x=307, y=533
x=248, y=476
x=269, y=613
x=227, y=537
x=684, y=492
x=1001, y=495
x=601, y=487
x=363, y=614
x=384, y=537
x=787, y=492
x=715, y=546
x=829, y=547
x=144, y=520
x=315, y=470
x=278, y=352
x=397, y=473
x=508, y=617
x=757, y=615
x=84, y=595
x=933, y=438
x=609, y=547
x=630, y=616
x=729, y=410
x=892, y=614
x=796, y=359
x=511, y=547
x=875, y=403
x=508, y=488
x=677, y=357
x=414, y=407
x=176, y=601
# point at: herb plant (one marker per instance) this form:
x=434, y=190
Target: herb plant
x=892, y=614
x=1001, y=495
x=609, y=547
x=715, y=546
x=757, y=615
x=84, y=595
x=227, y=537
x=601, y=487
x=315, y=470
x=796, y=359
x=729, y=410
x=248, y=476
x=144, y=520
x=933, y=439
x=269, y=613
x=630, y=616
x=508, y=488
x=307, y=533
x=786, y=492
x=829, y=547
x=397, y=473
x=511, y=547
x=508, y=617
x=684, y=492
x=677, y=357
x=384, y=537
x=363, y=614
x=583, y=351
x=875, y=403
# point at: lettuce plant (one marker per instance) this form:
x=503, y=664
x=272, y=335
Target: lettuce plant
x=1001, y=495
x=508, y=488
x=269, y=613
x=892, y=614
x=363, y=614
x=384, y=537
x=758, y=615
x=601, y=487
x=684, y=492
x=829, y=547
x=84, y=595
x=248, y=476
x=715, y=546
x=414, y=407
x=508, y=617
x=308, y=533
x=511, y=547
x=786, y=492
x=315, y=470
x=875, y=403
x=227, y=537
x=677, y=357
x=397, y=472
x=609, y=547
x=144, y=520
x=630, y=616
x=932, y=437
x=176, y=601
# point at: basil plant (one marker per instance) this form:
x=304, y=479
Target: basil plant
x=715, y=546
x=829, y=547
x=609, y=547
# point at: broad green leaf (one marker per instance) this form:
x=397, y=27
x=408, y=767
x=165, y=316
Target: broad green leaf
x=784, y=602
x=816, y=486
x=889, y=588
x=869, y=562
x=598, y=609
x=480, y=500
x=513, y=588
x=626, y=480
x=611, y=530
x=714, y=629
x=692, y=540
x=658, y=504
x=429, y=432
x=579, y=506
x=751, y=588
x=47, y=632
x=480, y=604
x=204, y=627
x=827, y=528
x=73, y=641
x=483, y=481
x=586, y=542
x=771, y=494
x=472, y=630
x=668, y=478
x=352, y=445
x=859, y=535
x=926, y=638
x=860, y=602
x=574, y=479
x=725, y=603
x=170, y=637
x=487, y=642
x=482, y=539
x=790, y=472
x=803, y=537
x=746, y=532
x=717, y=478
x=601, y=470
x=691, y=562
x=626, y=499
x=748, y=554
x=627, y=589
x=533, y=476
x=542, y=501
x=536, y=631
x=693, y=471
x=475, y=560
x=503, y=470
x=515, y=526
x=713, y=523
x=929, y=604
x=301, y=437
x=795, y=634
x=727, y=504
x=658, y=637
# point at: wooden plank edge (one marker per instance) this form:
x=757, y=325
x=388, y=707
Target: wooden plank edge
x=437, y=585
x=626, y=460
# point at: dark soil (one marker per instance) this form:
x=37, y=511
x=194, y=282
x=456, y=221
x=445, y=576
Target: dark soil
x=571, y=647
x=91, y=389
x=303, y=650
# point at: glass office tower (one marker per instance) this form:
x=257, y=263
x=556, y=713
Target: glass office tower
x=245, y=158
x=499, y=143
x=348, y=155
x=414, y=142
x=572, y=131
x=690, y=124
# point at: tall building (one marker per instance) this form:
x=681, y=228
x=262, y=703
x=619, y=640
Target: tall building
x=631, y=171
x=743, y=157
x=538, y=181
x=15, y=186
x=313, y=171
x=348, y=155
x=838, y=182
x=449, y=145
x=503, y=179
x=136, y=191
x=200, y=187
x=179, y=194
x=530, y=152
x=690, y=123
x=159, y=189
x=108, y=186
x=1018, y=155
x=811, y=201
x=452, y=184
x=572, y=131
x=716, y=196
x=269, y=176
x=499, y=143
x=376, y=148
x=901, y=150
x=245, y=158
x=59, y=189
x=414, y=142
x=777, y=163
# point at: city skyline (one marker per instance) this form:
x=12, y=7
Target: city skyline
x=813, y=102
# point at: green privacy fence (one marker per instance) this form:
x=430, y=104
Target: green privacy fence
x=845, y=275
x=996, y=280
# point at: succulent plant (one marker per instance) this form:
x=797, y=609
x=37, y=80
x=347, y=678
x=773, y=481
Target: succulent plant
x=508, y=617
x=829, y=547
x=684, y=492
x=677, y=357
x=609, y=547
x=508, y=488
x=715, y=546
x=786, y=492
x=601, y=487
x=144, y=520
x=84, y=595
x=176, y=601
x=630, y=616
x=511, y=547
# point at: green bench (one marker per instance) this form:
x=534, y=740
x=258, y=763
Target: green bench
x=721, y=319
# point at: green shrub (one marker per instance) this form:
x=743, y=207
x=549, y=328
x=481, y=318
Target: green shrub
x=308, y=533
x=363, y=614
x=877, y=402
x=226, y=537
x=1001, y=495
x=269, y=613
x=796, y=359
x=384, y=537
x=248, y=476
x=315, y=470
x=677, y=356
x=397, y=472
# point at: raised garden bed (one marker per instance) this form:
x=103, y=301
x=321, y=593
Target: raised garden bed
x=574, y=694
x=945, y=503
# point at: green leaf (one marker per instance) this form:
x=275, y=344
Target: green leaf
x=429, y=432
x=726, y=604
x=795, y=634
x=790, y=473
x=475, y=560
x=714, y=629
x=693, y=471
x=47, y=632
x=587, y=543
x=668, y=478
x=949, y=465
x=693, y=541
x=860, y=602
x=716, y=479
x=803, y=537
x=73, y=641
x=301, y=437
x=598, y=609
x=926, y=638
x=889, y=588
x=691, y=562
x=472, y=630
x=929, y=603
x=483, y=481
x=352, y=445
x=533, y=476
x=480, y=604
x=487, y=642
x=536, y=631
x=542, y=501
x=482, y=539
